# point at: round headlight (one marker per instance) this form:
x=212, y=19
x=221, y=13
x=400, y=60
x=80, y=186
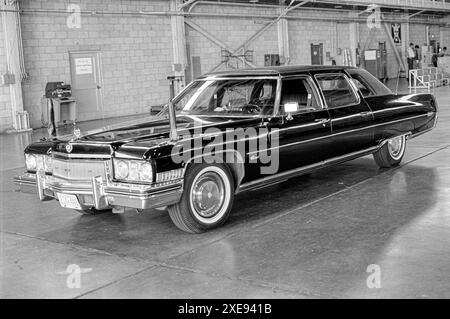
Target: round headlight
x=134, y=171
x=146, y=172
x=30, y=162
x=121, y=170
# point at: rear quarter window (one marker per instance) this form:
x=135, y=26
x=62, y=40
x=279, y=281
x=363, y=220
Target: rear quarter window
x=367, y=84
x=336, y=90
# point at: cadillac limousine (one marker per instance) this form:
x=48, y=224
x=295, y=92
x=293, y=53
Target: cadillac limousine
x=283, y=122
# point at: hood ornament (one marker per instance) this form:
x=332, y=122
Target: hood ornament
x=77, y=132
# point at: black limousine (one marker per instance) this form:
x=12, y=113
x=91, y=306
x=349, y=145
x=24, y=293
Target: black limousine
x=225, y=133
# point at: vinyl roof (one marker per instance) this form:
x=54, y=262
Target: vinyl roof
x=276, y=70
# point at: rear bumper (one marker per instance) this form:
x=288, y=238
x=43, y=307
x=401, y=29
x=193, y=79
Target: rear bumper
x=101, y=194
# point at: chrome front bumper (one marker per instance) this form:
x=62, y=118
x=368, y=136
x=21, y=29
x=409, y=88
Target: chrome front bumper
x=102, y=194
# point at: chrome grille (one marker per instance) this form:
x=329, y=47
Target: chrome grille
x=75, y=169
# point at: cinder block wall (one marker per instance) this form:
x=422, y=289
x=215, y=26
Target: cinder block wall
x=232, y=32
x=5, y=105
x=302, y=33
x=136, y=53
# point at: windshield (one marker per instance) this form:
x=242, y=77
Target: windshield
x=228, y=97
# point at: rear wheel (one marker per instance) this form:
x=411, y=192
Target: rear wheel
x=391, y=153
x=207, y=198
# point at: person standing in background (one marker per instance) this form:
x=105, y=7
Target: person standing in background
x=434, y=60
x=410, y=55
x=417, y=57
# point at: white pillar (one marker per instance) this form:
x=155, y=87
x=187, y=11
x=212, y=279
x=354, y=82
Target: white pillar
x=283, y=39
x=353, y=29
x=13, y=62
x=405, y=42
x=178, y=41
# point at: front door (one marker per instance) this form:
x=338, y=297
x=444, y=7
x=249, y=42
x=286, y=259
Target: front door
x=304, y=137
x=351, y=117
x=317, y=53
x=86, y=84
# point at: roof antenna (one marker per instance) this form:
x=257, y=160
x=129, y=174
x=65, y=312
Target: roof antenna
x=172, y=116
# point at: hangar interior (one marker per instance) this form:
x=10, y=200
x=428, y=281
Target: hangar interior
x=310, y=237
x=130, y=47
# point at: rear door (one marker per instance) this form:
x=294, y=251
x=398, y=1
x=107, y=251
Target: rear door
x=351, y=117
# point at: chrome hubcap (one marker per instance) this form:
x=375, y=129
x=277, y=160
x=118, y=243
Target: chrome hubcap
x=395, y=146
x=208, y=194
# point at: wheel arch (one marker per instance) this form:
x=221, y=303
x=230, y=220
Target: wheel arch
x=236, y=167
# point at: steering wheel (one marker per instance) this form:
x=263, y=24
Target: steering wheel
x=251, y=109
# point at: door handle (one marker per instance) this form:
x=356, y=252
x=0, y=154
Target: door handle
x=322, y=121
x=365, y=113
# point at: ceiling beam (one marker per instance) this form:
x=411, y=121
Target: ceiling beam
x=414, y=14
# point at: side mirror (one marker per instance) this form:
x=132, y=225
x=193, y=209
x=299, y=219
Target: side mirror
x=289, y=108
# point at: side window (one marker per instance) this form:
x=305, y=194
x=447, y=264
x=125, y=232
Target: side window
x=336, y=90
x=234, y=96
x=300, y=91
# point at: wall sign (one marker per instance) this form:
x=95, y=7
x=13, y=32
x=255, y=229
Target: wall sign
x=370, y=55
x=83, y=66
x=396, y=30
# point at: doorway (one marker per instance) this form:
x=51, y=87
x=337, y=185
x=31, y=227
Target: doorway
x=86, y=80
x=317, y=54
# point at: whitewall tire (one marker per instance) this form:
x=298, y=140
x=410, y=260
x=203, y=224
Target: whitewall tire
x=207, y=198
x=391, y=153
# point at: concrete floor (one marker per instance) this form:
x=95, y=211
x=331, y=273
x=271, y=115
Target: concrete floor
x=310, y=237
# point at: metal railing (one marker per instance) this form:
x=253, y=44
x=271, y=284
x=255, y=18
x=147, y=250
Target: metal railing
x=427, y=78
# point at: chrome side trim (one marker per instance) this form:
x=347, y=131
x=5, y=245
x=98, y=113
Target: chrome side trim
x=410, y=136
x=340, y=133
x=280, y=177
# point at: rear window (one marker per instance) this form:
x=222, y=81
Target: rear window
x=367, y=83
x=337, y=90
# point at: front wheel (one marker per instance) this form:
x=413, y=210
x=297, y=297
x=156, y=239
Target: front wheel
x=207, y=198
x=391, y=153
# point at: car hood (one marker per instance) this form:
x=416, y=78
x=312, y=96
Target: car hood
x=137, y=138
x=156, y=130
